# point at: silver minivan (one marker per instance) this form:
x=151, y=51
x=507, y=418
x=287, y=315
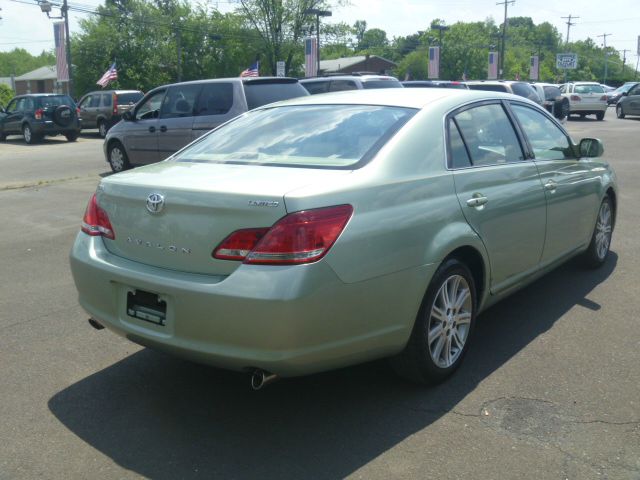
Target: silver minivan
x=172, y=116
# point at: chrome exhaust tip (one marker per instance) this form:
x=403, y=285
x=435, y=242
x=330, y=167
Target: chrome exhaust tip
x=260, y=379
x=95, y=324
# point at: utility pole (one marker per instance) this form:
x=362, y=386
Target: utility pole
x=179, y=47
x=604, y=36
x=569, y=25
x=504, y=36
x=624, y=59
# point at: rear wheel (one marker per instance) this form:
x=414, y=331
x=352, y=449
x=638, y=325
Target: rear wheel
x=600, y=115
x=619, y=111
x=3, y=137
x=71, y=137
x=118, y=157
x=443, y=327
x=102, y=128
x=598, y=249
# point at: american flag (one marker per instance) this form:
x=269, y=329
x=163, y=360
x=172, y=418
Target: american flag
x=535, y=66
x=434, y=62
x=61, y=52
x=492, y=73
x=252, y=71
x=310, y=57
x=109, y=76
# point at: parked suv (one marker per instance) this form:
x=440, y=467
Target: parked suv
x=171, y=116
x=35, y=115
x=103, y=109
x=522, y=89
x=339, y=83
x=585, y=98
x=552, y=99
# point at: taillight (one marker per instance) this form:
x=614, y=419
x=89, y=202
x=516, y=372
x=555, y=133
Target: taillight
x=575, y=98
x=115, y=104
x=38, y=114
x=78, y=110
x=300, y=237
x=96, y=221
x=603, y=98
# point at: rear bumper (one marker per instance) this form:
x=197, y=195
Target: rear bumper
x=287, y=320
x=586, y=107
x=48, y=127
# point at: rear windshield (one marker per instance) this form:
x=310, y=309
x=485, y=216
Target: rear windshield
x=588, y=89
x=382, y=84
x=129, y=98
x=488, y=88
x=316, y=87
x=525, y=90
x=550, y=93
x=312, y=136
x=259, y=94
x=54, y=101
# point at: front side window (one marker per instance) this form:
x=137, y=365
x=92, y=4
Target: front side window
x=489, y=135
x=150, y=107
x=180, y=100
x=635, y=90
x=546, y=139
x=85, y=102
x=312, y=136
x=12, y=107
x=95, y=101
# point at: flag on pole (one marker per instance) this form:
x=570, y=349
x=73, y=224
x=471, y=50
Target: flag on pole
x=310, y=57
x=534, y=70
x=62, y=68
x=434, y=62
x=492, y=73
x=252, y=71
x=109, y=76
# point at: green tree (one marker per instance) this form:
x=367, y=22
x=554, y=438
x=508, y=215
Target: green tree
x=18, y=62
x=6, y=94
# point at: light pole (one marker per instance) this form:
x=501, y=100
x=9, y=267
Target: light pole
x=318, y=13
x=45, y=7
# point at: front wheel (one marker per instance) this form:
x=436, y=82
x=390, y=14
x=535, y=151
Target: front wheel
x=118, y=158
x=443, y=327
x=619, y=111
x=71, y=137
x=598, y=249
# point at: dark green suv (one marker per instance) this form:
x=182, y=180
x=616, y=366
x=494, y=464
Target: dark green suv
x=36, y=115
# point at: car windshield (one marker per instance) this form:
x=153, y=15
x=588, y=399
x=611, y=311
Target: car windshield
x=313, y=136
x=588, y=89
x=54, y=101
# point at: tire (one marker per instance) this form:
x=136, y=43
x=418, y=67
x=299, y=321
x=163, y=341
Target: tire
x=102, y=128
x=600, y=115
x=3, y=137
x=598, y=250
x=430, y=355
x=619, y=111
x=28, y=135
x=117, y=157
x=72, y=137
x=63, y=115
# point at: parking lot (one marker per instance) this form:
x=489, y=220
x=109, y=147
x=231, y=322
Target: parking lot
x=550, y=388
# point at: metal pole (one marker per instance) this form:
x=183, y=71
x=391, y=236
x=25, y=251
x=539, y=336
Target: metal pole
x=65, y=14
x=318, y=43
x=604, y=36
x=179, y=46
x=637, y=62
x=504, y=36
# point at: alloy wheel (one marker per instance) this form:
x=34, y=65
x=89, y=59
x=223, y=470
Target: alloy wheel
x=26, y=131
x=116, y=159
x=603, y=230
x=449, y=321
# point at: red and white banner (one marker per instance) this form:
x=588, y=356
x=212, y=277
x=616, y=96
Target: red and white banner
x=61, y=52
x=534, y=70
x=434, y=62
x=492, y=72
x=310, y=57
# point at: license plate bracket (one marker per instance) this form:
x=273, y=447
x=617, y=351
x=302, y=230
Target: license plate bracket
x=147, y=306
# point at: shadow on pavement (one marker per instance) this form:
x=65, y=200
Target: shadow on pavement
x=164, y=418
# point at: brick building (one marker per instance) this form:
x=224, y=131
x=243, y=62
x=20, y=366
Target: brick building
x=40, y=80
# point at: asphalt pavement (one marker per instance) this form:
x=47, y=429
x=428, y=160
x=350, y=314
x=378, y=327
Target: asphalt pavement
x=550, y=388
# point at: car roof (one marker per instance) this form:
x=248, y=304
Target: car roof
x=417, y=98
x=362, y=78
x=257, y=80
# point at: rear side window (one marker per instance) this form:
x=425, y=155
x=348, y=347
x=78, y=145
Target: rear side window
x=488, y=87
x=259, y=94
x=316, y=87
x=180, y=100
x=129, y=98
x=488, y=135
x=526, y=91
x=106, y=99
x=458, y=155
x=215, y=99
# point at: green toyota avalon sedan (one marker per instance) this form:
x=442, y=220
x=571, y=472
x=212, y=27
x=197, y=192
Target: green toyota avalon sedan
x=333, y=229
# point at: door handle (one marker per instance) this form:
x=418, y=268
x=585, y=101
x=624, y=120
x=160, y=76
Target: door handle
x=152, y=129
x=550, y=186
x=477, y=200
x=163, y=128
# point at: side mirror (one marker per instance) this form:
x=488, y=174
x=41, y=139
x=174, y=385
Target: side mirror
x=128, y=116
x=591, y=148
x=624, y=94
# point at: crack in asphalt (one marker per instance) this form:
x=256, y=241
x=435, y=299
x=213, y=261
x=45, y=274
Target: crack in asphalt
x=40, y=183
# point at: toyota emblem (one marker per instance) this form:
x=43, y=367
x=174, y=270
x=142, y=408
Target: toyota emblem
x=155, y=203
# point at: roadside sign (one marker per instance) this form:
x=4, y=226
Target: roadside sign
x=567, y=60
x=280, y=69
x=638, y=45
